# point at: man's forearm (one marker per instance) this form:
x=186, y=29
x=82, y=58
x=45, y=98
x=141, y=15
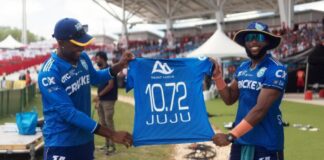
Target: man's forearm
x=115, y=69
x=227, y=96
x=104, y=131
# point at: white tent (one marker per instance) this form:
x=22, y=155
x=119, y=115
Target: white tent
x=219, y=46
x=10, y=43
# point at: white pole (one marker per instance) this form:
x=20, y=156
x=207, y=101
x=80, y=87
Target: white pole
x=124, y=29
x=24, y=23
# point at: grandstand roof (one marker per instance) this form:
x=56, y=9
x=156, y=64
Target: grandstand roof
x=156, y=11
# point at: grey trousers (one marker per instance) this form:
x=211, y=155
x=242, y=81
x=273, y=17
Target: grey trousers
x=106, y=117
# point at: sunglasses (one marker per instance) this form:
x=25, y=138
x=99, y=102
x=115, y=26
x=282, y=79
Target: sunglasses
x=255, y=36
x=80, y=33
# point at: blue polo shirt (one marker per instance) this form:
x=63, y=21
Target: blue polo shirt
x=269, y=73
x=66, y=98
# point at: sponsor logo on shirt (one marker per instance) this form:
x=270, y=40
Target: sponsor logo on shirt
x=249, y=84
x=47, y=81
x=161, y=68
x=244, y=73
x=84, y=80
x=281, y=74
x=70, y=74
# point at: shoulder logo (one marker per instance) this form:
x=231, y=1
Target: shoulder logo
x=161, y=68
x=261, y=72
x=84, y=64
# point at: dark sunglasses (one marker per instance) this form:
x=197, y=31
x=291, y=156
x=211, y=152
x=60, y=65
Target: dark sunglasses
x=255, y=36
x=80, y=33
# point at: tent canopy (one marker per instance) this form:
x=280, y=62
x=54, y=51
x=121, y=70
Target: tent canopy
x=219, y=46
x=10, y=43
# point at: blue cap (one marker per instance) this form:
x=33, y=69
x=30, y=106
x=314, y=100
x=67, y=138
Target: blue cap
x=258, y=27
x=72, y=30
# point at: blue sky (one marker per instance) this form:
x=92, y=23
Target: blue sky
x=43, y=14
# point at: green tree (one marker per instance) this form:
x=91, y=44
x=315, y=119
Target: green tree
x=16, y=33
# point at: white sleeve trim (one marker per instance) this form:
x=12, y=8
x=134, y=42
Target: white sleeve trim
x=94, y=128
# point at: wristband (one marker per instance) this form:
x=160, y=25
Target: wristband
x=242, y=128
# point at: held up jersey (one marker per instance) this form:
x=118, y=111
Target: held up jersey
x=169, y=104
x=66, y=98
x=268, y=74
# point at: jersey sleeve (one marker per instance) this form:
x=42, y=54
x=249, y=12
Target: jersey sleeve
x=276, y=78
x=205, y=65
x=99, y=77
x=56, y=99
x=130, y=75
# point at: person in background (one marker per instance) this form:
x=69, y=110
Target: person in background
x=300, y=80
x=105, y=101
x=28, y=78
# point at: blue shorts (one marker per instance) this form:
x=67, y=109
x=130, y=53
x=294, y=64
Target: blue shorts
x=257, y=154
x=84, y=152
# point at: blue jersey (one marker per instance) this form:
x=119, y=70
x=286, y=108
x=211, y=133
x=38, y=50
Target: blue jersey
x=169, y=104
x=269, y=73
x=66, y=98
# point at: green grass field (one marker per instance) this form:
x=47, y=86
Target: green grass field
x=299, y=145
x=124, y=117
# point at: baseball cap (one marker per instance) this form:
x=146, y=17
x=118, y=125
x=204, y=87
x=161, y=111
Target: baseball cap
x=72, y=30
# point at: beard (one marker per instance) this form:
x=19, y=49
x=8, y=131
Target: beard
x=262, y=52
x=100, y=65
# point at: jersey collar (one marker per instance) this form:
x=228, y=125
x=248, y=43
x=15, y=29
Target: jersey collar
x=261, y=63
x=66, y=65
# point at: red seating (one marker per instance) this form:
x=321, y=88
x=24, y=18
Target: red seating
x=17, y=63
x=308, y=95
x=321, y=93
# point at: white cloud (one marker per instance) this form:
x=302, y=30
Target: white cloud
x=43, y=14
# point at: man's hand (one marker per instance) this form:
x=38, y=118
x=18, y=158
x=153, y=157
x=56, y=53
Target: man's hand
x=126, y=57
x=122, y=137
x=123, y=62
x=220, y=139
x=217, y=74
